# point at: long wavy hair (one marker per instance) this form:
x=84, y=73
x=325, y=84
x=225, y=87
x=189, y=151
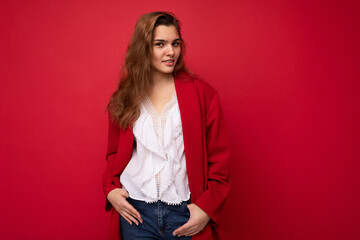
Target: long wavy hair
x=136, y=78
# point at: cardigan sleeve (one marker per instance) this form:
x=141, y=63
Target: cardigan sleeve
x=112, y=145
x=218, y=156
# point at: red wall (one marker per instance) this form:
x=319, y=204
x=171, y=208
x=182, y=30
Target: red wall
x=288, y=77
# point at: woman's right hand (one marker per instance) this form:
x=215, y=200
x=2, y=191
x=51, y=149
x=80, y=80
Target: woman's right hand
x=117, y=198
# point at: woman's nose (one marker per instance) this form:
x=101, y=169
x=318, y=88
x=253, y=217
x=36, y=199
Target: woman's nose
x=170, y=50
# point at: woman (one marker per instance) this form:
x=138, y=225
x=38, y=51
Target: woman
x=167, y=156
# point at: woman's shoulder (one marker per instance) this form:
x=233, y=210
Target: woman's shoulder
x=206, y=92
x=202, y=85
x=206, y=87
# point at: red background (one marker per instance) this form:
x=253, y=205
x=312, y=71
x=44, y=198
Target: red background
x=288, y=77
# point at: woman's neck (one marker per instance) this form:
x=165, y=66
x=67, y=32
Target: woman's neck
x=160, y=79
x=162, y=86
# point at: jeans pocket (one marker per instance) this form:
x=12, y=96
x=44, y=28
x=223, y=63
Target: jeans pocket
x=186, y=210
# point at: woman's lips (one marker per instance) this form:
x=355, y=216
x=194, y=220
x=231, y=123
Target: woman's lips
x=169, y=62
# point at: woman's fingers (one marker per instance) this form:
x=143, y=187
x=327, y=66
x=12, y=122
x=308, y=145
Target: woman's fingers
x=130, y=215
x=191, y=231
x=188, y=229
x=117, y=198
x=129, y=209
x=129, y=218
x=197, y=221
x=126, y=219
x=182, y=230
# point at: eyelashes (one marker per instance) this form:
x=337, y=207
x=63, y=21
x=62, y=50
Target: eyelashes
x=160, y=44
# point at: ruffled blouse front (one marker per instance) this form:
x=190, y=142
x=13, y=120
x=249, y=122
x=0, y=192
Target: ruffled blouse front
x=157, y=169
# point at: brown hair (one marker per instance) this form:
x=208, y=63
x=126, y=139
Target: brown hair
x=135, y=78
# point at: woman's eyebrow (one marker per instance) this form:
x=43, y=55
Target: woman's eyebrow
x=162, y=40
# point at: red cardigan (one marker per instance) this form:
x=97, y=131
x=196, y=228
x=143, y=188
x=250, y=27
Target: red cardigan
x=206, y=147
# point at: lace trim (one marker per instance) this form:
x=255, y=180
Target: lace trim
x=160, y=125
x=159, y=120
x=139, y=140
x=177, y=170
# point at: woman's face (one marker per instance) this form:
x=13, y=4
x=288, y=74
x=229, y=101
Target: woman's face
x=166, y=49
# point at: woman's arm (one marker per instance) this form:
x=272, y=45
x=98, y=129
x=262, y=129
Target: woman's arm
x=112, y=145
x=115, y=196
x=218, y=155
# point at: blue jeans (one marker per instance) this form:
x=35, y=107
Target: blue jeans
x=159, y=221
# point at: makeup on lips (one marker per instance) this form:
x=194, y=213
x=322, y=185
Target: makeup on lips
x=169, y=62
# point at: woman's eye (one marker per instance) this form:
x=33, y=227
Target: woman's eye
x=160, y=44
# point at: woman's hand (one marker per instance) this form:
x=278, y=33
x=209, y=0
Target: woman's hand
x=117, y=198
x=197, y=221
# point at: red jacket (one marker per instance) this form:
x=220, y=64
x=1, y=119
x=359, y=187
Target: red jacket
x=206, y=147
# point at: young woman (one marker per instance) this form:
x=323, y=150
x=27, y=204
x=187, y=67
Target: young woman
x=167, y=156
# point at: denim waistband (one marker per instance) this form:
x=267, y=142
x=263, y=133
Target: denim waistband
x=159, y=201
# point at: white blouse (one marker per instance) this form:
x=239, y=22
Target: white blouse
x=157, y=169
